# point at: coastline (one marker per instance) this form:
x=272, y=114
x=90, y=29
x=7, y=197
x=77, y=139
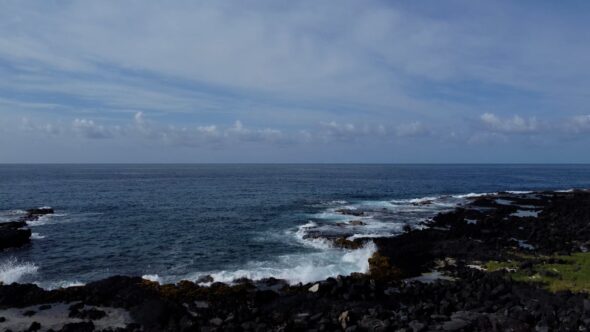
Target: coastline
x=467, y=270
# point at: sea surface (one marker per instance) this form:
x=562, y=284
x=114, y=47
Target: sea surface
x=174, y=222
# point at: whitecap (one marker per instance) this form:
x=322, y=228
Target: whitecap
x=300, y=268
x=152, y=277
x=473, y=195
x=59, y=284
x=317, y=243
x=565, y=190
x=525, y=214
x=37, y=236
x=45, y=219
x=11, y=270
x=518, y=192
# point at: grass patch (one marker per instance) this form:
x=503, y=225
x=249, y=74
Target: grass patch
x=556, y=273
x=497, y=266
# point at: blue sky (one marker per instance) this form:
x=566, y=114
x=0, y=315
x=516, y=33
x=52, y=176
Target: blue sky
x=287, y=81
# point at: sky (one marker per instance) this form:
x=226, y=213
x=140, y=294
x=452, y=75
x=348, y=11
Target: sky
x=294, y=81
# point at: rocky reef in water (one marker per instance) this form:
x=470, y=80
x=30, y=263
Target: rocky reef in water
x=16, y=234
x=502, y=262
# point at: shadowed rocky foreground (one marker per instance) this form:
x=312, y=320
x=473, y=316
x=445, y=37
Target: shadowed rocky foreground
x=503, y=262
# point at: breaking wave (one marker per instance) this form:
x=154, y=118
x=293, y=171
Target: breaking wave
x=11, y=270
x=300, y=268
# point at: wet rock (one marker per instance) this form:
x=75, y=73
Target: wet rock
x=40, y=211
x=13, y=235
x=351, y=212
x=343, y=242
x=204, y=279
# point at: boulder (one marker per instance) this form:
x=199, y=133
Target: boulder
x=13, y=234
x=40, y=211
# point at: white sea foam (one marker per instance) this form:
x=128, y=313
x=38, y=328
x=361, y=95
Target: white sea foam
x=370, y=236
x=45, y=219
x=41, y=220
x=11, y=270
x=473, y=195
x=517, y=192
x=11, y=215
x=415, y=200
x=152, y=277
x=37, y=236
x=565, y=190
x=525, y=213
x=300, y=268
x=318, y=243
x=501, y=201
x=59, y=284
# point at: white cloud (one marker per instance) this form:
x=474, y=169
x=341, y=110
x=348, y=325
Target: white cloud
x=89, y=129
x=577, y=124
x=352, y=132
x=513, y=125
x=47, y=128
x=412, y=129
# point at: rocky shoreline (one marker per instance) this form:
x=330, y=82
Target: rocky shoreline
x=502, y=262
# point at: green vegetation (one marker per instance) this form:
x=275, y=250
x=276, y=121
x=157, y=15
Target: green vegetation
x=556, y=273
x=497, y=266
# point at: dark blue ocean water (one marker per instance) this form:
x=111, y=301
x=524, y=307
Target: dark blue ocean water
x=180, y=221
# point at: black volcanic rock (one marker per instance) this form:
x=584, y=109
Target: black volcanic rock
x=40, y=211
x=14, y=234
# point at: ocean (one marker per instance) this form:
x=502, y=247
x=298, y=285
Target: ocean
x=173, y=222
